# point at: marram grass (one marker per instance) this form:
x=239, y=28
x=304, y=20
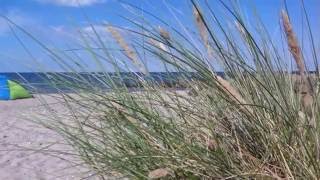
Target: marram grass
x=258, y=121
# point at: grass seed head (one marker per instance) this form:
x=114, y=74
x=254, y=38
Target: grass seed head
x=127, y=49
x=204, y=34
x=164, y=34
x=292, y=42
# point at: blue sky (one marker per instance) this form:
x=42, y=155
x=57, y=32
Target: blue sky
x=55, y=22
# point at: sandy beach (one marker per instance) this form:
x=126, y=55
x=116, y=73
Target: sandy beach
x=29, y=151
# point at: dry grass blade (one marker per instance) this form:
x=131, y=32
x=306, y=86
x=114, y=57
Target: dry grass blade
x=159, y=173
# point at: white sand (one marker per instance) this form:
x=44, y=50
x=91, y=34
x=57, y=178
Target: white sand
x=20, y=138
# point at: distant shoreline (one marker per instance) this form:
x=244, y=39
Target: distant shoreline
x=39, y=82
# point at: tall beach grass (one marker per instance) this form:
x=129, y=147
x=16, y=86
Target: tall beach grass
x=258, y=121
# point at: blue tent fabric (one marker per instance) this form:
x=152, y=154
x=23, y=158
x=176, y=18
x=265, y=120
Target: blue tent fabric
x=4, y=88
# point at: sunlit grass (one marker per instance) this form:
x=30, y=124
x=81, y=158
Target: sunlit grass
x=258, y=121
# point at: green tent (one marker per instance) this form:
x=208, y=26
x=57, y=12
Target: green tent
x=10, y=90
x=17, y=91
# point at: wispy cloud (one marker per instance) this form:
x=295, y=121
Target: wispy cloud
x=99, y=29
x=76, y=32
x=15, y=16
x=72, y=3
x=35, y=26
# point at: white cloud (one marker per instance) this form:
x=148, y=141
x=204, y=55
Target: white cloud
x=72, y=3
x=36, y=27
x=100, y=29
x=77, y=34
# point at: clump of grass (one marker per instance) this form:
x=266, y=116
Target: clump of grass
x=248, y=124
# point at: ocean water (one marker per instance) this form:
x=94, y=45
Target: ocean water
x=37, y=82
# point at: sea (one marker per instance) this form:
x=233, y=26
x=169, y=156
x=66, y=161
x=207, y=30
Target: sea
x=52, y=82
x=44, y=83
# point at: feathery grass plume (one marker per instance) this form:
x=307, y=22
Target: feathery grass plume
x=293, y=43
x=232, y=93
x=127, y=49
x=164, y=34
x=304, y=86
x=158, y=44
x=204, y=34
